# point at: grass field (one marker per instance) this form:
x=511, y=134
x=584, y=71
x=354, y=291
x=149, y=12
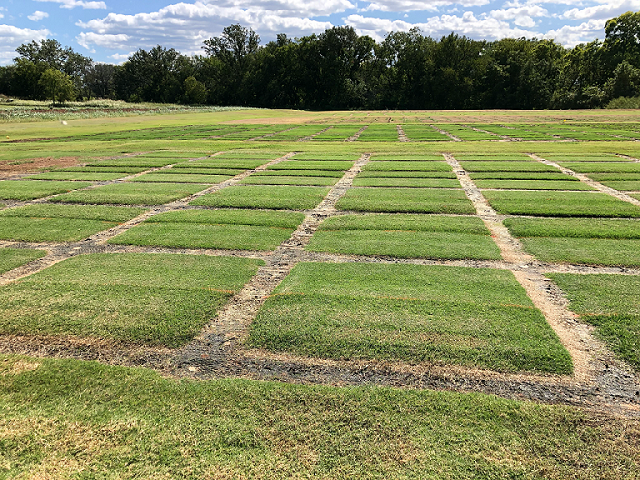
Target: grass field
x=402, y=284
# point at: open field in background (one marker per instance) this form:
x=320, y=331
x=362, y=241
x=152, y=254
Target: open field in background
x=279, y=244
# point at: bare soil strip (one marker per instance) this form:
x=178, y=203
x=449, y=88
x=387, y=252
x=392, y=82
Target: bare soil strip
x=401, y=135
x=594, y=364
x=444, y=132
x=585, y=179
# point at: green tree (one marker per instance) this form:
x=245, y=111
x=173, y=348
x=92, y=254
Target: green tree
x=195, y=92
x=57, y=86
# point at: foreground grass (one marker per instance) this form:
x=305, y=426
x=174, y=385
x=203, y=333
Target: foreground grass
x=11, y=258
x=140, y=298
x=72, y=419
x=265, y=196
x=409, y=200
x=611, y=303
x=32, y=189
x=409, y=312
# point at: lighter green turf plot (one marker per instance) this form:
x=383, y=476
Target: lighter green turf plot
x=446, y=315
x=224, y=163
x=288, y=180
x=81, y=176
x=407, y=166
x=556, y=176
x=179, y=177
x=148, y=162
x=417, y=182
x=265, y=196
x=300, y=173
x=612, y=304
x=424, y=133
x=11, y=258
x=312, y=165
x=86, y=169
x=323, y=155
x=404, y=157
x=60, y=223
x=560, y=204
x=154, y=299
x=601, y=167
x=406, y=200
x=406, y=174
x=574, y=227
x=532, y=185
x=32, y=189
x=465, y=133
x=589, y=251
x=507, y=166
x=623, y=185
x=133, y=193
x=187, y=168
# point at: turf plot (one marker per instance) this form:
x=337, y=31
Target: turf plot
x=11, y=258
x=406, y=200
x=216, y=229
x=449, y=315
x=155, y=299
x=132, y=193
x=423, y=133
x=405, y=236
x=265, y=196
x=32, y=189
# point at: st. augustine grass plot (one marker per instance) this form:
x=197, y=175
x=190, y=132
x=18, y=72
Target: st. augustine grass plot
x=133, y=193
x=215, y=229
x=406, y=200
x=32, y=189
x=406, y=236
x=275, y=197
x=559, y=204
x=155, y=299
x=60, y=223
x=444, y=315
x=612, y=304
x=11, y=258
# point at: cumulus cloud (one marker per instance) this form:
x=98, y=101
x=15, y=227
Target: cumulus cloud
x=77, y=3
x=37, y=16
x=522, y=16
x=11, y=37
x=605, y=11
x=415, y=5
x=570, y=35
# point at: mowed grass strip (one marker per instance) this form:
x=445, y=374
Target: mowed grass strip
x=623, y=185
x=138, y=161
x=299, y=173
x=602, y=167
x=405, y=174
x=506, y=166
x=265, y=196
x=406, y=200
x=79, y=176
x=60, y=223
x=60, y=416
x=288, y=180
x=131, y=193
x=219, y=229
x=11, y=258
x=155, y=299
x=224, y=163
x=32, y=189
x=446, y=315
x=417, y=182
x=560, y=204
x=612, y=304
x=181, y=178
x=532, y=185
x=589, y=251
x=555, y=176
x=407, y=166
x=339, y=165
x=574, y=227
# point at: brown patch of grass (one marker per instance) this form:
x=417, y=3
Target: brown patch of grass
x=10, y=168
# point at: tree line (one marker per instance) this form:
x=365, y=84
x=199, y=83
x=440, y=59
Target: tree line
x=338, y=69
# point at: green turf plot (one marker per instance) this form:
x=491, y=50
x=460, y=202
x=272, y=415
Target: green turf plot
x=32, y=189
x=589, y=251
x=409, y=200
x=60, y=223
x=313, y=165
x=224, y=163
x=172, y=155
x=83, y=419
x=379, y=133
x=475, y=317
x=585, y=157
x=466, y=134
x=338, y=133
x=138, y=161
x=11, y=258
x=326, y=156
x=406, y=236
x=532, y=184
x=623, y=185
x=506, y=166
x=491, y=157
x=218, y=229
x=133, y=193
x=602, y=167
x=523, y=176
x=301, y=173
x=265, y=196
x=560, y=204
x=407, y=166
x=612, y=304
x=255, y=132
x=86, y=169
x=424, y=133
x=405, y=174
x=404, y=157
x=186, y=168
x=574, y=227
x=80, y=176
x=179, y=177
x=288, y=180
x=294, y=134
x=417, y=182
x=142, y=298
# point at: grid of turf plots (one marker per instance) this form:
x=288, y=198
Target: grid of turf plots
x=423, y=133
x=32, y=189
x=613, y=171
x=380, y=133
x=60, y=223
x=406, y=236
x=214, y=229
x=414, y=313
x=337, y=133
x=466, y=133
x=155, y=299
x=11, y=258
x=612, y=304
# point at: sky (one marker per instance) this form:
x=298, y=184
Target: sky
x=110, y=30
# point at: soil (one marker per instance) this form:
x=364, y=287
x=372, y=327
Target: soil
x=10, y=168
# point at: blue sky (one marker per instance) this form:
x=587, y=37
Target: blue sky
x=110, y=30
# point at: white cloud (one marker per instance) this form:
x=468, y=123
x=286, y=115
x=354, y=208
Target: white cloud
x=77, y=3
x=607, y=10
x=300, y=8
x=37, y=16
x=409, y=5
x=522, y=16
x=570, y=35
x=11, y=37
x=120, y=58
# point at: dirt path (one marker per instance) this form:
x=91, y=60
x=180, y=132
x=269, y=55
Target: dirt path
x=401, y=135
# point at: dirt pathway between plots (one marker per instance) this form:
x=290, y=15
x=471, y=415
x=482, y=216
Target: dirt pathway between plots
x=402, y=137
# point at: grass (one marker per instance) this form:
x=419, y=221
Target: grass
x=406, y=200
x=602, y=167
x=560, y=204
x=32, y=189
x=133, y=193
x=288, y=180
x=151, y=299
x=60, y=223
x=11, y=258
x=532, y=185
x=407, y=166
x=60, y=416
x=612, y=304
x=137, y=161
x=408, y=312
x=574, y=227
x=411, y=182
x=299, y=173
x=80, y=176
x=336, y=165
x=623, y=185
x=507, y=166
x=181, y=178
x=555, y=176
x=590, y=251
x=265, y=196
x=224, y=163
